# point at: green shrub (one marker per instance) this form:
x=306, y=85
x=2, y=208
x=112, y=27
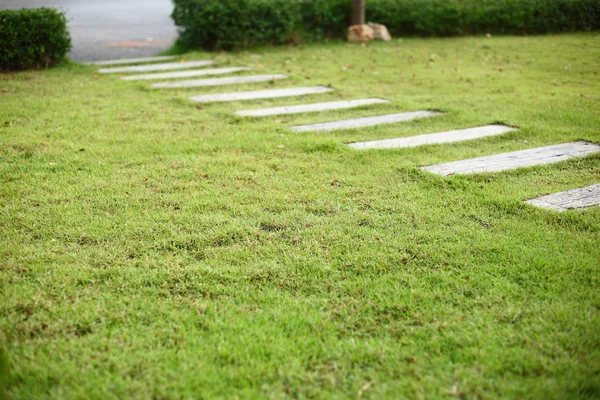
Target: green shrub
x=324, y=18
x=229, y=24
x=32, y=38
x=458, y=17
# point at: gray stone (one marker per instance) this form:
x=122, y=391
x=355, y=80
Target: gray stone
x=185, y=74
x=360, y=33
x=362, y=122
x=218, y=81
x=569, y=200
x=517, y=159
x=157, y=67
x=380, y=32
x=261, y=94
x=306, y=108
x=434, y=138
x=130, y=60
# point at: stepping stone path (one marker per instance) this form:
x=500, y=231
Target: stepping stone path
x=185, y=74
x=434, y=138
x=306, y=108
x=571, y=199
x=260, y=94
x=362, y=122
x=218, y=81
x=517, y=159
x=130, y=60
x=157, y=67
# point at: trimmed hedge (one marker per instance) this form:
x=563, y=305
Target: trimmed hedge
x=459, y=17
x=32, y=38
x=230, y=24
x=226, y=24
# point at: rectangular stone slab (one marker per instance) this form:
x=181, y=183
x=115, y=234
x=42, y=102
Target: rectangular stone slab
x=218, y=81
x=260, y=94
x=185, y=74
x=434, y=138
x=517, y=159
x=130, y=60
x=157, y=67
x=569, y=200
x=362, y=122
x=306, y=108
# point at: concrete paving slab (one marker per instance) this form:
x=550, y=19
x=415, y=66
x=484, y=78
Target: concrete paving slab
x=569, y=200
x=307, y=108
x=261, y=94
x=363, y=122
x=157, y=67
x=517, y=159
x=140, y=60
x=234, y=80
x=434, y=138
x=185, y=74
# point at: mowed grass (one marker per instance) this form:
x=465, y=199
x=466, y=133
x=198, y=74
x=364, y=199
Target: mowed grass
x=156, y=248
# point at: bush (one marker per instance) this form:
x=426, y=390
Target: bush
x=459, y=17
x=325, y=18
x=32, y=38
x=229, y=24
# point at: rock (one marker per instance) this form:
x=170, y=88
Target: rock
x=360, y=33
x=380, y=32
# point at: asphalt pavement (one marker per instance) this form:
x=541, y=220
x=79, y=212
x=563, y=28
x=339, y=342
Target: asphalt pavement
x=112, y=29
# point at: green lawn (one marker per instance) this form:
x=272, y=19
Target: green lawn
x=156, y=248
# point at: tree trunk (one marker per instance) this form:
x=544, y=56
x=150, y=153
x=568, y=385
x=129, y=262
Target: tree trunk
x=358, y=12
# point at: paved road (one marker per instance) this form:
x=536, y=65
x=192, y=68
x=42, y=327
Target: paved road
x=110, y=29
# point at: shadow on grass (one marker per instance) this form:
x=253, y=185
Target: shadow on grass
x=3, y=375
x=176, y=49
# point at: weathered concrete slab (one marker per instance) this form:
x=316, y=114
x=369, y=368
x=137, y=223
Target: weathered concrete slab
x=306, y=108
x=362, y=122
x=185, y=74
x=434, y=138
x=218, y=81
x=261, y=94
x=569, y=200
x=517, y=159
x=157, y=67
x=130, y=60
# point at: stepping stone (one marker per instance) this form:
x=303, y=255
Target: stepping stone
x=130, y=60
x=157, y=67
x=434, y=138
x=333, y=105
x=517, y=159
x=362, y=122
x=569, y=200
x=261, y=94
x=185, y=74
x=218, y=81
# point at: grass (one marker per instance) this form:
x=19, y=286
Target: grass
x=156, y=248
